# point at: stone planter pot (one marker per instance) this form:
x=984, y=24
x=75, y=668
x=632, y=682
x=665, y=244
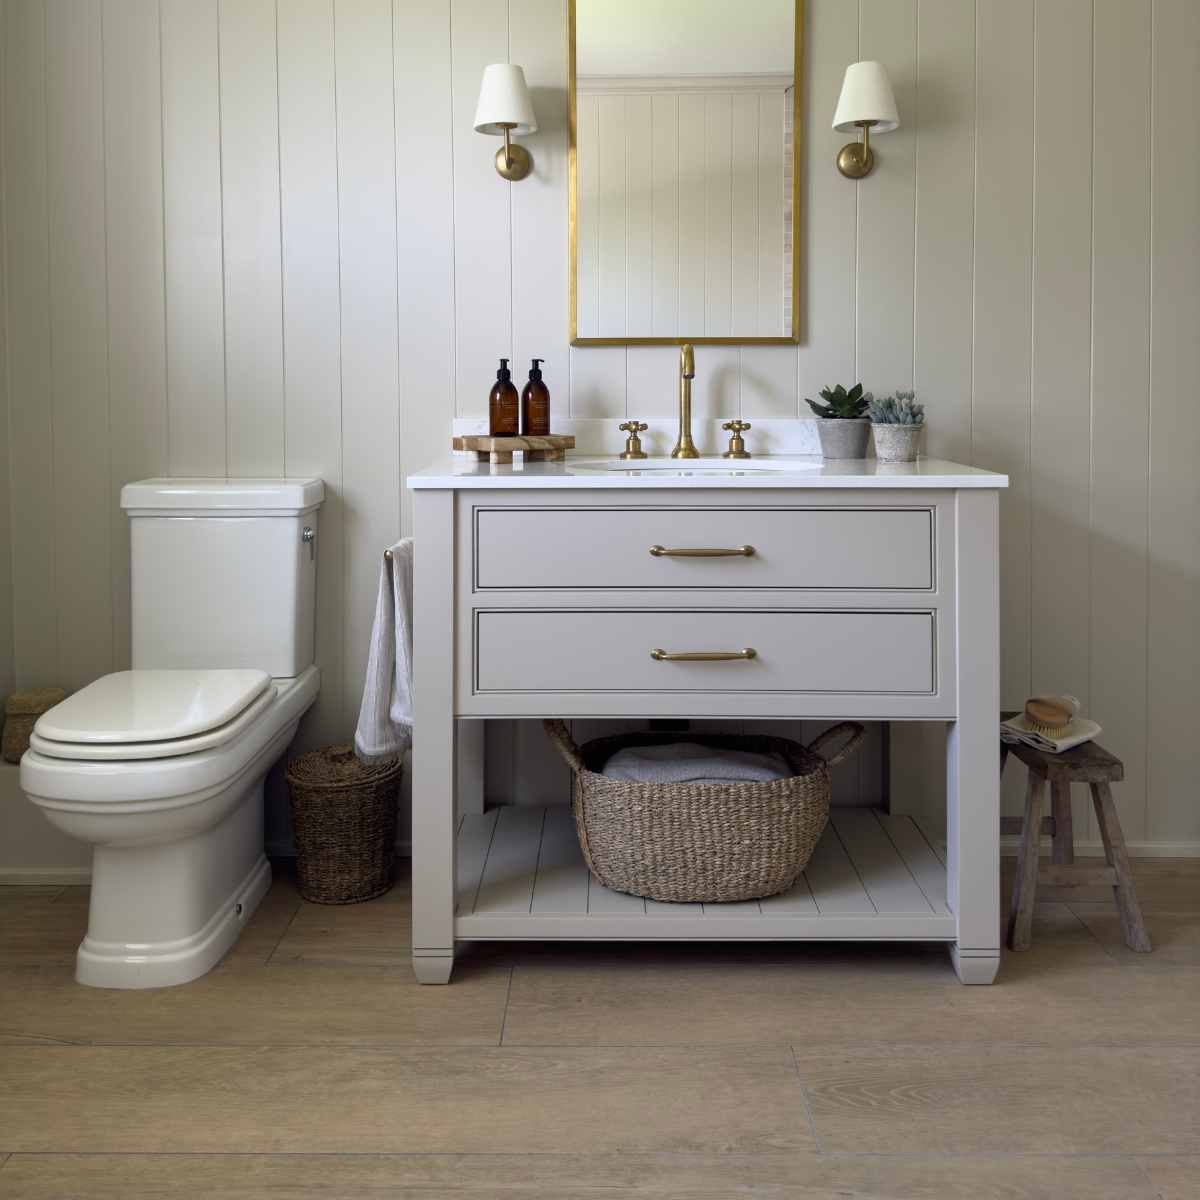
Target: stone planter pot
x=897, y=443
x=844, y=438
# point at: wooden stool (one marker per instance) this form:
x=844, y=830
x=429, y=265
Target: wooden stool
x=1087, y=763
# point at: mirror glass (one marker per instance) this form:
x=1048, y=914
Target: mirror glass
x=683, y=170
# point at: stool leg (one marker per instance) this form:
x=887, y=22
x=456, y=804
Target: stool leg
x=1136, y=937
x=1064, y=833
x=1020, y=914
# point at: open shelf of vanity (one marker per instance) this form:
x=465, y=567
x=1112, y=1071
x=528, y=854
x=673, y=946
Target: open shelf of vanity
x=867, y=597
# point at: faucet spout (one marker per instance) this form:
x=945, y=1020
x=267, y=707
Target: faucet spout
x=685, y=447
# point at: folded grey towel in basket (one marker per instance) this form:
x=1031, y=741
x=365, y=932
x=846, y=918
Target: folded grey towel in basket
x=687, y=762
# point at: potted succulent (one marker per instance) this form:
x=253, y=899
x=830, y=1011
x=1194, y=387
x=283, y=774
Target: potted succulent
x=843, y=428
x=896, y=423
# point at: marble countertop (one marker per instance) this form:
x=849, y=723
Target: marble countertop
x=790, y=471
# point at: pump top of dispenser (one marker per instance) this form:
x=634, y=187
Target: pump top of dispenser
x=535, y=372
x=504, y=372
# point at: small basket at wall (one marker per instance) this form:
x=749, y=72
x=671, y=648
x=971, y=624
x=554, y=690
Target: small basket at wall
x=21, y=712
x=700, y=842
x=344, y=825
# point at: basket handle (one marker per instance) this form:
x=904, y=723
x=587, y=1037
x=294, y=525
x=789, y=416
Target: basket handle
x=556, y=731
x=858, y=731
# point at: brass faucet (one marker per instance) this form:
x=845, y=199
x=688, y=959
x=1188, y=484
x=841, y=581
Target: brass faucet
x=685, y=447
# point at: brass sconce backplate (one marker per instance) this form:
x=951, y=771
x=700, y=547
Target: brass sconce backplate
x=517, y=163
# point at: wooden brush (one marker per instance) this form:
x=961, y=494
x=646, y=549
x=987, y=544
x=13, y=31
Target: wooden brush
x=1049, y=717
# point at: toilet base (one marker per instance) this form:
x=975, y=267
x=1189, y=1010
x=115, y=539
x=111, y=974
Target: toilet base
x=169, y=963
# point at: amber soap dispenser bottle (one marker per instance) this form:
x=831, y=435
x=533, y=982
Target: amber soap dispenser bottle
x=503, y=405
x=535, y=403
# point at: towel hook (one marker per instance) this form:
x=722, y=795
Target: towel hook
x=388, y=555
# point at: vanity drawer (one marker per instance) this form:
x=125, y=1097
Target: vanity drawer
x=573, y=650
x=596, y=548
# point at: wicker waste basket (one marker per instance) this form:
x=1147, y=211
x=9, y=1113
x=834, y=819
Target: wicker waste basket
x=344, y=824
x=700, y=842
x=21, y=712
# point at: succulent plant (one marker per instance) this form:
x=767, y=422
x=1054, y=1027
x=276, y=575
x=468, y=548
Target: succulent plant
x=895, y=410
x=846, y=405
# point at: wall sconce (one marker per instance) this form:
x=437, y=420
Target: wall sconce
x=866, y=103
x=504, y=108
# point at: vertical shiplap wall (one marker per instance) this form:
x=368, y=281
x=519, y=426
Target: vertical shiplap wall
x=243, y=236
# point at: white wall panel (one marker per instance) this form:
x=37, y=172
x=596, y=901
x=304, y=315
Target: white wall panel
x=311, y=323
x=1003, y=306
x=194, y=263
x=1173, y=641
x=27, y=286
x=366, y=147
x=1061, y=369
x=78, y=339
x=537, y=40
x=254, y=435
x=482, y=211
x=886, y=205
x=1120, y=444
x=718, y=215
x=665, y=136
x=828, y=206
x=945, y=226
x=136, y=301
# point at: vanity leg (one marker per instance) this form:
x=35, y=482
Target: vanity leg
x=434, y=867
x=972, y=781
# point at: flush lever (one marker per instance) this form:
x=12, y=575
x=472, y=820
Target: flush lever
x=310, y=536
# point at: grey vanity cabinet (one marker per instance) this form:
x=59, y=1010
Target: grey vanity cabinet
x=852, y=600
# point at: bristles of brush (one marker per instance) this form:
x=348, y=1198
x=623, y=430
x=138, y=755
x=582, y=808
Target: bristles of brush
x=1054, y=732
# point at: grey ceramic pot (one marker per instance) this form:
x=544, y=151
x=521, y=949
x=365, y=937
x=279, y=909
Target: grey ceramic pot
x=897, y=443
x=844, y=438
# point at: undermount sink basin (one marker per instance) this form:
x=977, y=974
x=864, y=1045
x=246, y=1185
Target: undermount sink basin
x=697, y=466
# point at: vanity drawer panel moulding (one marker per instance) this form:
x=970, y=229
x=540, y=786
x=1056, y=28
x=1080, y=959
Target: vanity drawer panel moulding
x=607, y=547
x=786, y=652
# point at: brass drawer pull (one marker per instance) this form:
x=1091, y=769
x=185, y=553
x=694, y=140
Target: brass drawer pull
x=741, y=551
x=711, y=656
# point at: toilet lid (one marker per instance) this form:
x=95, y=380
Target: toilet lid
x=151, y=706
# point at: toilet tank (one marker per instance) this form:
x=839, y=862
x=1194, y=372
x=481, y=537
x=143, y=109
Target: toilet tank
x=224, y=572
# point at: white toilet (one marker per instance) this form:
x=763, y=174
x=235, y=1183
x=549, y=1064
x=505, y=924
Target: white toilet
x=161, y=768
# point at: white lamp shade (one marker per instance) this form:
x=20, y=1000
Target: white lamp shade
x=866, y=96
x=504, y=98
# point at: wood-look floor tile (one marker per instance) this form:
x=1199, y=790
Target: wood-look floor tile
x=1082, y=1100
x=35, y=893
x=1176, y=1176
x=257, y=941
x=902, y=1004
x=75, y=893
x=374, y=934
x=249, y=1006
x=356, y=1100
x=1058, y=939
x=1174, y=931
x=42, y=934
x=572, y=1177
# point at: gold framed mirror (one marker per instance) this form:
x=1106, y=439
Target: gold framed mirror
x=684, y=166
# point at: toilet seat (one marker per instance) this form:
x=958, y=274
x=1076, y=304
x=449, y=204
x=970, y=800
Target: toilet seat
x=152, y=714
x=167, y=748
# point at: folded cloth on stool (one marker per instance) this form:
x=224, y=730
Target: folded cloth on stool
x=687, y=762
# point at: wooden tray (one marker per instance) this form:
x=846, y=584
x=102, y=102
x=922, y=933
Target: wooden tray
x=550, y=447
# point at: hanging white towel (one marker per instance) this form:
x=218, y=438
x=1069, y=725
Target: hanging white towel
x=385, y=719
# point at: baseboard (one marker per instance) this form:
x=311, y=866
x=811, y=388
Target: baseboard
x=44, y=876
x=1010, y=842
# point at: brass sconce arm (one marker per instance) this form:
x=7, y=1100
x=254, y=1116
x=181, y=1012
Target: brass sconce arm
x=857, y=159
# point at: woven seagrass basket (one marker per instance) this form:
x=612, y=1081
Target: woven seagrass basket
x=700, y=842
x=344, y=825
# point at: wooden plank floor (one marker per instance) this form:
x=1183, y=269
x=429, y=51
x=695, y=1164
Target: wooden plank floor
x=522, y=874
x=310, y=1063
